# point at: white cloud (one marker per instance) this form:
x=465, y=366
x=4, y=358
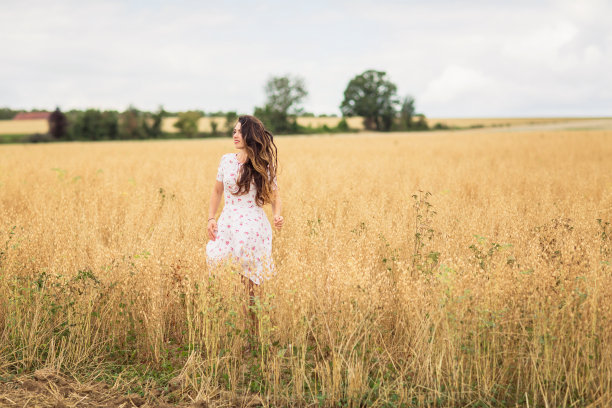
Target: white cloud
x=457, y=58
x=593, y=54
x=541, y=45
x=454, y=84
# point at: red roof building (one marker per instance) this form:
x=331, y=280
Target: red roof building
x=32, y=115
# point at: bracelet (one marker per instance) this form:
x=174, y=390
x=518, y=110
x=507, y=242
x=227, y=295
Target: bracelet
x=211, y=219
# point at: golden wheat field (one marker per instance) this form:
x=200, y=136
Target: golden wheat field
x=437, y=269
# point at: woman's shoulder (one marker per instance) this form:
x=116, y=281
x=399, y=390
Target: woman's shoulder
x=228, y=156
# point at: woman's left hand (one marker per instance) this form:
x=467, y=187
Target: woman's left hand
x=278, y=221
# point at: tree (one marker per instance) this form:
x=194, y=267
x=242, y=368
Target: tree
x=110, y=124
x=132, y=124
x=187, y=123
x=343, y=126
x=153, y=123
x=58, y=124
x=7, y=113
x=93, y=125
x=421, y=123
x=284, y=95
x=407, y=112
x=372, y=96
x=214, y=126
x=231, y=117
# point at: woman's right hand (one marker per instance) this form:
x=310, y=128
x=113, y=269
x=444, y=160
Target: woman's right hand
x=212, y=229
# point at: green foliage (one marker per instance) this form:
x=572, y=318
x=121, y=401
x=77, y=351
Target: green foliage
x=390, y=258
x=214, y=126
x=423, y=258
x=7, y=113
x=187, y=123
x=407, y=112
x=132, y=124
x=155, y=129
x=276, y=122
x=37, y=138
x=231, y=117
x=12, y=138
x=372, y=96
x=484, y=251
x=93, y=124
x=421, y=123
x=284, y=94
x=283, y=97
x=440, y=126
x=341, y=127
x=137, y=124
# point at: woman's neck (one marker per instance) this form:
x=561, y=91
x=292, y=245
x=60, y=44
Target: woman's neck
x=242, y=156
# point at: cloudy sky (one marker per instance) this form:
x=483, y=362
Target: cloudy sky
x=473, y=58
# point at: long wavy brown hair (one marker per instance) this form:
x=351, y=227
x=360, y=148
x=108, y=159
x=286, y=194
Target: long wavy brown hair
x=261, y=164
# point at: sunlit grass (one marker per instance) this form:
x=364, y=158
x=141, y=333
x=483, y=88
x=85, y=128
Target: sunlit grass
x=437, y=269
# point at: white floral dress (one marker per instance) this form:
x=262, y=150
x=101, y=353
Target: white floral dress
x=244, y=234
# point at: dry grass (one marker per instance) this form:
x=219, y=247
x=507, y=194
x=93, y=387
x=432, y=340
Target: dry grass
x=493, y=290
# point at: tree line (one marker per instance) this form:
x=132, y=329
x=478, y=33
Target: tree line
x=371, y=95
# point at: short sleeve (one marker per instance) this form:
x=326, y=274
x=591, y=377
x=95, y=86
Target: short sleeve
x=220, y=170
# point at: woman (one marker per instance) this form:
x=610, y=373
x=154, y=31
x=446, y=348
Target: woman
x=247, y=180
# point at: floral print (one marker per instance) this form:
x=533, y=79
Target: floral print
x=244, y=234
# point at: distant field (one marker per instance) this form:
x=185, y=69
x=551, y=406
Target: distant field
x=26, y=127
x=492, y=122
x=23, y=127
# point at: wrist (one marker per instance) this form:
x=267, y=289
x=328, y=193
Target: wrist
x=211, y=218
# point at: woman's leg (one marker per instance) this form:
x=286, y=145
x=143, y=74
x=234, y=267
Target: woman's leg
x=250, y=289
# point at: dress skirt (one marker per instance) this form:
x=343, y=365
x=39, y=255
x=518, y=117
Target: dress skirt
x=244, y=234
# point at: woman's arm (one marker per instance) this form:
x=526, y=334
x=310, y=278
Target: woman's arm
x=215, y=199
x=276, y=209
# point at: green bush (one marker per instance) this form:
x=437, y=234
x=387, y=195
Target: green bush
x=187, y=123
x=93, y=124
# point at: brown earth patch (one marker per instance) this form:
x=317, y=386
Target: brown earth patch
x=49, y=389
